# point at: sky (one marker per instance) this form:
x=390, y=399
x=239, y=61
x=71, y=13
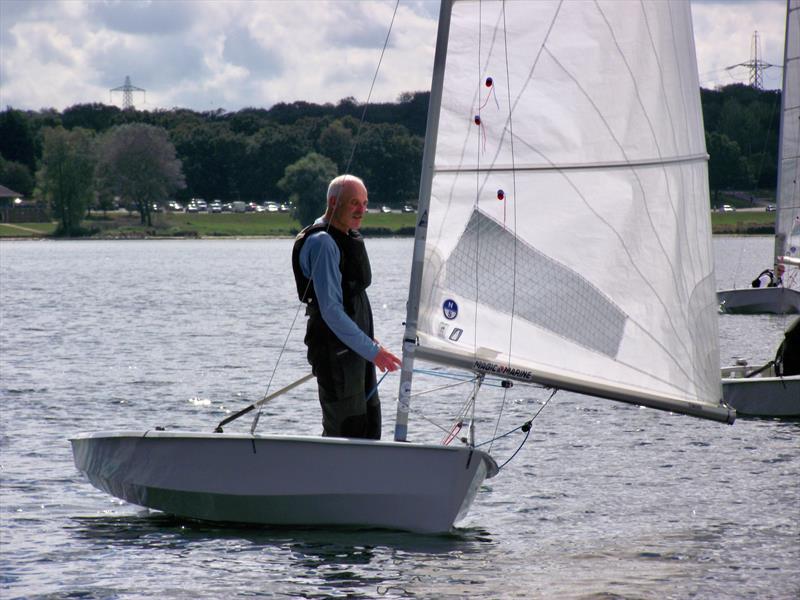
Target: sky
x=231, y=54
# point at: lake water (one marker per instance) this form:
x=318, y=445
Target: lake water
x=604, y=501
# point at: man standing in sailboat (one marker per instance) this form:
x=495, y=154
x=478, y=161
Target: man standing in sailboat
x=332, y=273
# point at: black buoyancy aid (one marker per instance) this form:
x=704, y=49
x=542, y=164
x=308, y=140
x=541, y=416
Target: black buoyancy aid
x=353, y=264
x=771, y=283
x=337, y=368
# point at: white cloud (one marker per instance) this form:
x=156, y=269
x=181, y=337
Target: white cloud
x=723, y=37
x=208, y=54
x=211, y=54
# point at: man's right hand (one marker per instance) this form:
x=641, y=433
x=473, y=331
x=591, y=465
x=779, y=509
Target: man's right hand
x=386, y=361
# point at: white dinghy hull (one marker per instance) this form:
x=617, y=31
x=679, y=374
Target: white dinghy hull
x=763, y=395
x=282, y=480
x=758, y=301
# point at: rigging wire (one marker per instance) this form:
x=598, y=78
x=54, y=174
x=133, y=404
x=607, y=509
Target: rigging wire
x=443, y=387
x=481, y=146
x=477, y=183
x=346, y=170
x=429, y=420
x=458, y=421
x=514, y=215
x=462, y=377
x=469, y=404
x=773, y=105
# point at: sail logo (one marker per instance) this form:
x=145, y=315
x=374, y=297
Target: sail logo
x=450, y=309
x=490, y=367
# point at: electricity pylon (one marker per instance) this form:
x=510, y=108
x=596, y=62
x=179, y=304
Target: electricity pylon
x=127, y=93
x=755, y=64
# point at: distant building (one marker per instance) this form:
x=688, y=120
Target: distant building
x=15, y=209
x=8, y=193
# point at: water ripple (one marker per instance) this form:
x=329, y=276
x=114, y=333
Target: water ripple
x=604, y=500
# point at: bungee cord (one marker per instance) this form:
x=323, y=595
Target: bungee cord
x=526, y=427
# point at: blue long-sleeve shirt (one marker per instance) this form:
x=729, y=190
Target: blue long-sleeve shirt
x=319, y=260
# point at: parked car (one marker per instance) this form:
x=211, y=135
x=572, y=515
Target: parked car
x=215, y=206
x=385, y=209
x=408, y=208
x=770, y=208
x=727, y=208
x=283, y=208
x=271, y=206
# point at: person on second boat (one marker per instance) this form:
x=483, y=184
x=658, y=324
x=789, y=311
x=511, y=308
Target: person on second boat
x=787, y=359
x=332, y=273
x=766, y=278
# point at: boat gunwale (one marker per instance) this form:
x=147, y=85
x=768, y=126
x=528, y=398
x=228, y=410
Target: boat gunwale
x=758, y=379
x=185, y=434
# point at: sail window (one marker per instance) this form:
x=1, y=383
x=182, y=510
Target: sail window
x=548, y=294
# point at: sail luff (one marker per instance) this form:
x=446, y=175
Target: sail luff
x=787, y=214
x=421, y=231
x=642, y=162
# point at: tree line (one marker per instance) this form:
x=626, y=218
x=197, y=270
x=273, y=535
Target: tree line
x=243, y=155
x=742, y=125
x=289, y=151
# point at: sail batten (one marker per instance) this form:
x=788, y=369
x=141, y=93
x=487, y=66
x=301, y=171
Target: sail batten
x=495, y=167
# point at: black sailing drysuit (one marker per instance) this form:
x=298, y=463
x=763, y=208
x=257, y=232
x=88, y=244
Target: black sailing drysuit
x=344, y=378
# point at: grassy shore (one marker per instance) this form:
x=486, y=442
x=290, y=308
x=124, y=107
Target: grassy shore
x=744, y=222
x=196, y=225
x=204, y=225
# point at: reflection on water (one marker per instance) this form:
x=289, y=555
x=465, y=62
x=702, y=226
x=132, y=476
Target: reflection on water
x=345, y=559
x=331, y=542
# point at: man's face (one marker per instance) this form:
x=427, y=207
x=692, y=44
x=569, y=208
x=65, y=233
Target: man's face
x=349, y=207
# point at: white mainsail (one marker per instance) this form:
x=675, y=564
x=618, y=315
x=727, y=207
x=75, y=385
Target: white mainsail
x=787, y=216
x=564, y=230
